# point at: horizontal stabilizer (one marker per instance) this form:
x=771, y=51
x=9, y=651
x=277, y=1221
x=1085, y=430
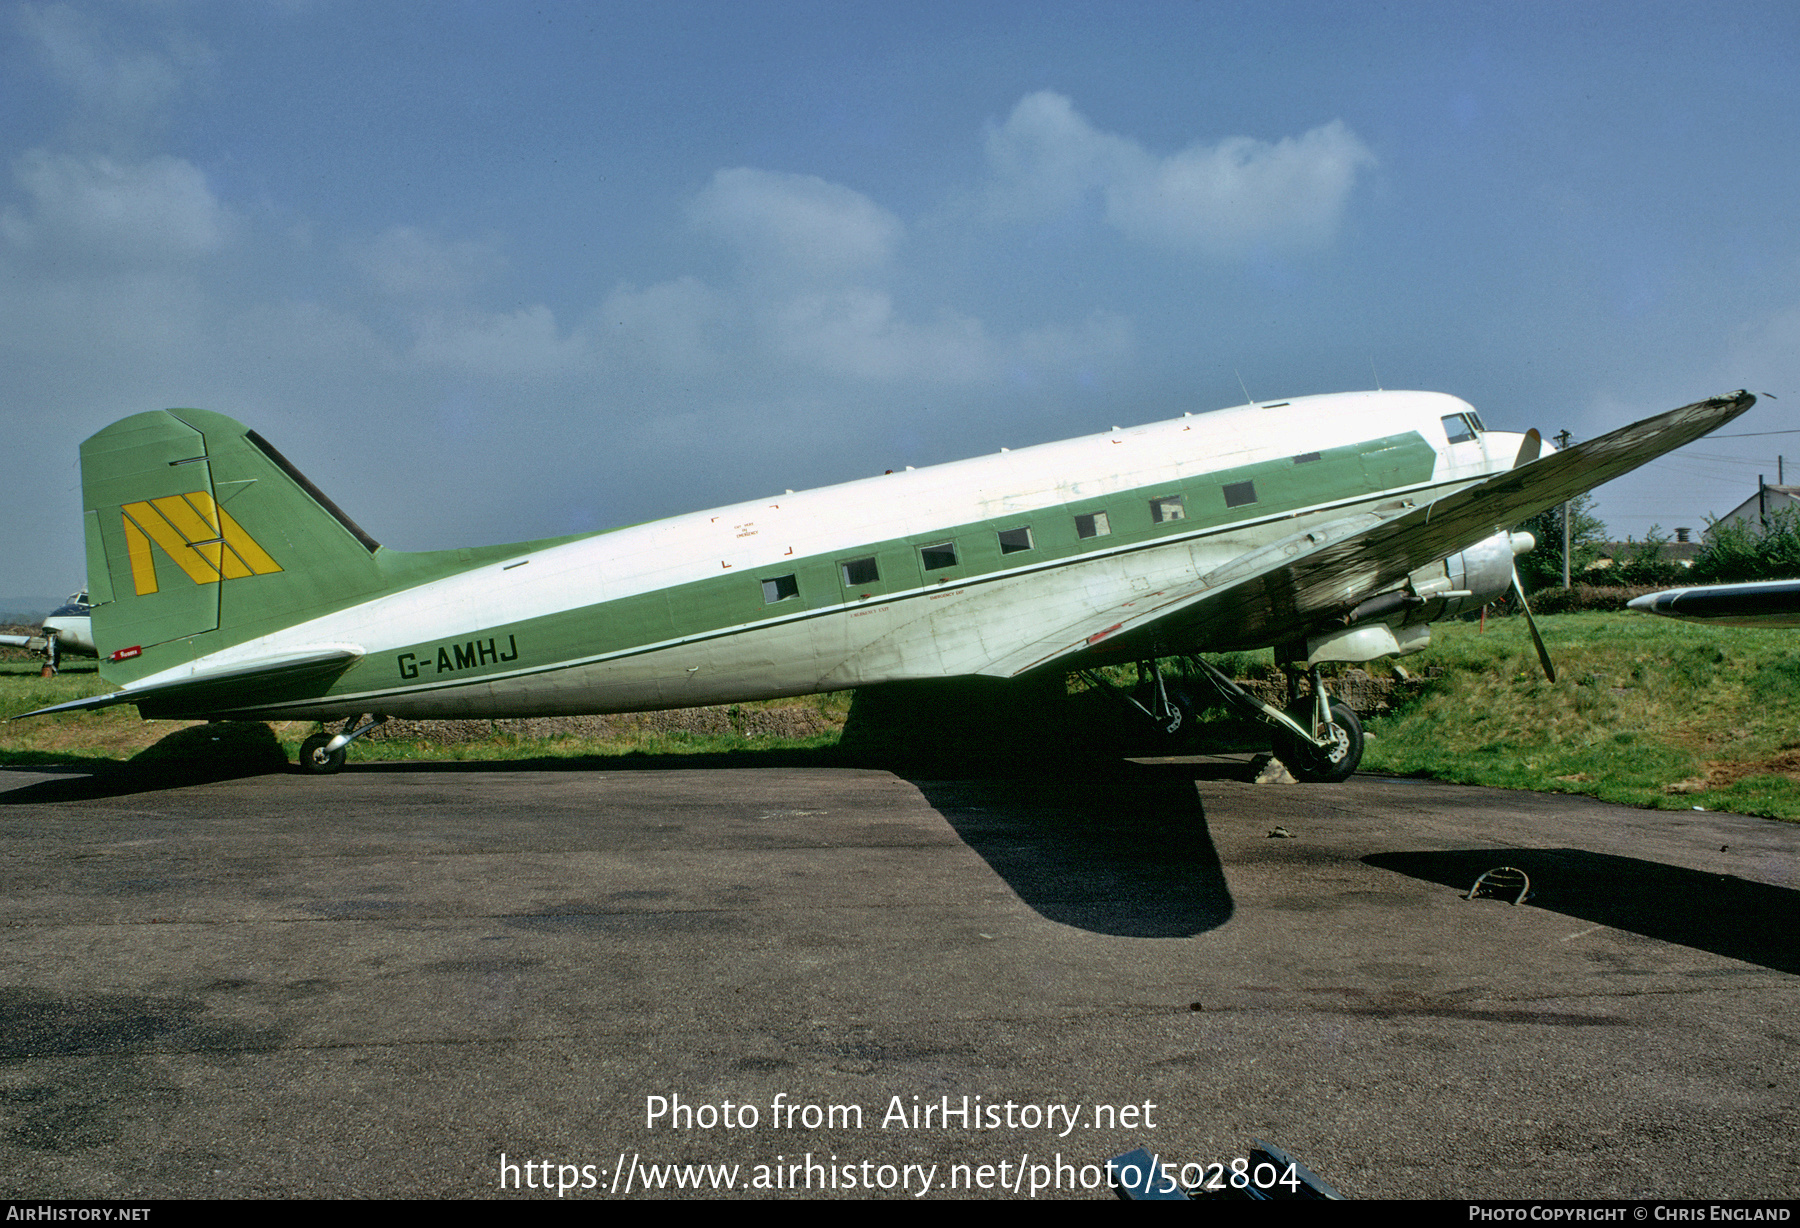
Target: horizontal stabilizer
x=202, y=694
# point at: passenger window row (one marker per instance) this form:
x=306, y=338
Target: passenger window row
x=940, y=556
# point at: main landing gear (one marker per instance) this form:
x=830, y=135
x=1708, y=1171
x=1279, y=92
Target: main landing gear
x=1318, y=738
x=323, y=753
x=1332, y=762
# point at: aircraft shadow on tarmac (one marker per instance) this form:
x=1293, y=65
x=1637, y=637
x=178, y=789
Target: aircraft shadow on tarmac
x=1734, y=917
x=1124, y=852
x=102, y=779
x=1116, y=848
x=191, y=756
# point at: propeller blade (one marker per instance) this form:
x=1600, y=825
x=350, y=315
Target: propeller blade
x=1531, y=624
x=1529, y=447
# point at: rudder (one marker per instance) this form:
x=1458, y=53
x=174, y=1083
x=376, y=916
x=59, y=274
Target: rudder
x=201, y=535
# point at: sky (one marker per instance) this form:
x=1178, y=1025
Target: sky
x=489, y=272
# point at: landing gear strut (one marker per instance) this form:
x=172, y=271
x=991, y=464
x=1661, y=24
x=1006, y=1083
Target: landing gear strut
x=323, y=753
x=1169, y=709
x=1336, y=745
x=1319, y=739
x=1328, y=764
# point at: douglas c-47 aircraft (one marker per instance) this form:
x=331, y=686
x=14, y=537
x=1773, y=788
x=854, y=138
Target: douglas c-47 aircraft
x=1331, y=528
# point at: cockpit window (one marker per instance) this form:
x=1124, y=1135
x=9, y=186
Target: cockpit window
x=1459, y=427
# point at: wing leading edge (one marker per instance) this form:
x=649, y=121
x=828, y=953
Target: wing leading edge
x=1762, y=603
x=1280, y=592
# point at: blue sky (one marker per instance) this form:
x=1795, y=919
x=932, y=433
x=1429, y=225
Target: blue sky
x=491, y=272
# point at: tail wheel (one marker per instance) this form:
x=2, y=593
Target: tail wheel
x=316, y=759
x=1323, y=764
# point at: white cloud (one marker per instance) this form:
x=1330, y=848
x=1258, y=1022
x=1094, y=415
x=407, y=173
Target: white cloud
x=510, y=344
x=807, y=308
x=796, y=226
x=119, y=91
x=1046, y=158
x=674, y=325
x=433, y=284
x=846, y=331
x=96, y=210
x=1221, y=200
x=1228, y=198
x=854, y=331
x=405, y=262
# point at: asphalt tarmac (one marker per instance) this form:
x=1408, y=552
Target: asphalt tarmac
x=469, y=980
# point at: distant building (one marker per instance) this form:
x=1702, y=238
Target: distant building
x=1757, y=509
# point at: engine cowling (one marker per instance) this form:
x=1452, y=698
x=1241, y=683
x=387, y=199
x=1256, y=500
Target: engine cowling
x=1397, y=622
x=1468, y=579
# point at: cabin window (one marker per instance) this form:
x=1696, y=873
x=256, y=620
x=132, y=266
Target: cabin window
x=1237, y=494
x=1306, y=458
x=1458, y=428
x=1167, y=508
x=1095, y=525
x=858, y=572
x=938, y=557
x=1014, y=540
x=780, y=589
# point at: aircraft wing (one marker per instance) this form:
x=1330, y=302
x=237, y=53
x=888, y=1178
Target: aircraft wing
x=1281, y=592
x=1764, y=603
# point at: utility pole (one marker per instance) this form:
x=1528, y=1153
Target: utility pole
x=1562, y=441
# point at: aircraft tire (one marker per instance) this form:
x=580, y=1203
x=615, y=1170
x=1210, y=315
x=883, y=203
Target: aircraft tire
x=315, y=759
x=1180, y=723
x=1314, y=765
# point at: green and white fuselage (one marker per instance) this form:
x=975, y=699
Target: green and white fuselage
x=225, y=585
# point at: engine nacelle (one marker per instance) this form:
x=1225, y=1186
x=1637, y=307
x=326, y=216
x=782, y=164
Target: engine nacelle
x=1397, y=622
x=1469, y=579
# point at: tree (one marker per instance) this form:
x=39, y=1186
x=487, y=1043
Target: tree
x=1644, y=564
x=1741, y=550
x=1543, y=567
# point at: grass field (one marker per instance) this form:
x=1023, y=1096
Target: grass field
x=1648, y=712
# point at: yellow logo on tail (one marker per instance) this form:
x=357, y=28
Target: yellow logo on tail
x=198, y=534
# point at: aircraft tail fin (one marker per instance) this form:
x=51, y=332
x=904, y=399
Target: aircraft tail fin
x=200, y=535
